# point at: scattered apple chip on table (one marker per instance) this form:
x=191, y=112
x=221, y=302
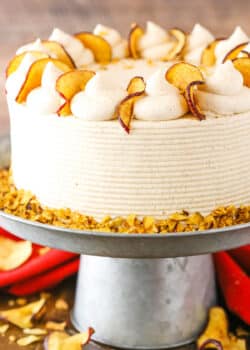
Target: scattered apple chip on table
x=23, y=317
x=13, y=253
x=28, y=340
x=217, y=335
x=63, y=341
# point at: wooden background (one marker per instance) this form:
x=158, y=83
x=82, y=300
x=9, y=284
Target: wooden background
x=23, y=20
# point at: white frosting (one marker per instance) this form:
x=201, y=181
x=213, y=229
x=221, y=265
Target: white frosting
x=45, y=99
x=197, y=41
x=36, y=45
x=80, y=54
x=224, y=92
x=99, y=99
x=160, y=168
x=113, y=37
x=163, y=100
x=155, y=44
x=224, y=46
x=15, y=81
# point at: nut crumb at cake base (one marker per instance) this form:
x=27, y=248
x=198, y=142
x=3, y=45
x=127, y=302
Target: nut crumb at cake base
x=25, y=205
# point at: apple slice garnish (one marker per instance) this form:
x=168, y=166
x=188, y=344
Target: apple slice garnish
x=135, y=35
x=208, y=57
x=232, y=54
x=59, y=51
x=69, y=84
x=136, y=84
x=187, y=77
x=178, y=48
x=34, y=76
x=99, y=46
x=182, y=74
x=136, y=89
x=13, y=253
x=191, y=100
x=17, y=60
x=24, y=316
x=63, y=341
x=242, y=64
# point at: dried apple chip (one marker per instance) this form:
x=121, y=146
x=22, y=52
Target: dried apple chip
x=232, y=54
x=23, y=316
x=135, y=35
x=242, y=64
x=63, y=341
x=179, y=46
x=208, y=57
x=99, y=46
x=126, y=109
x=182, y=74
x=69, y=84
x=13, y=253
x=17, y=60
x=191, y=100
x=136, y=84
x=59, y=51
x=217, y=333
x=28, y=340
x=34, y=76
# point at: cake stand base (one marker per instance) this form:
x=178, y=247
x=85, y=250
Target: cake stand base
x=144, y=303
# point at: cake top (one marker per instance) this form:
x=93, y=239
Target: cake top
x=154, y=75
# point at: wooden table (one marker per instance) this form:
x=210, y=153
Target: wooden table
x=22, y=21
x=64, y=291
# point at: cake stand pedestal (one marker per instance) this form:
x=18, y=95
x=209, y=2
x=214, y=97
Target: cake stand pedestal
x=138, y=291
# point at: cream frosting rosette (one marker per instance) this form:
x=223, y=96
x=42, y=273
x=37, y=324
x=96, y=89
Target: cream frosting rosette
x=99, y=99
x=224, y=92
x=80, y=54
x=118, y=44
x=155, y=43
x=197, y=41
x=163, y=101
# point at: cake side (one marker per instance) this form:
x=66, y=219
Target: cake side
x=97, y=169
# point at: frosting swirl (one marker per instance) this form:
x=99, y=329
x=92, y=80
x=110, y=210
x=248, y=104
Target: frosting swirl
x=45, y=99
x=113, y=37
x=99, y=100
x=224, y=46
x=197, y=41
x=155, y=44
x=15, y=81
x=163, y=100
x=224, y=92
x=36, y=45
x=80, y=54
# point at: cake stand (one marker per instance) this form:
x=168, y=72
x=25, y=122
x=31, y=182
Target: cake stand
x=138, y=291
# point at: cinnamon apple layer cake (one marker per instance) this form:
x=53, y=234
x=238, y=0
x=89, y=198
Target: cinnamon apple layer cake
x=151, y=126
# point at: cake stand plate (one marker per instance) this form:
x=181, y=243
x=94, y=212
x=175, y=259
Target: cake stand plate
x=138, y=291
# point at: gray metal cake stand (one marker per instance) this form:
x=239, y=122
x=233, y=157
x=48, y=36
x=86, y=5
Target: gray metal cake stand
x=138, y=291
